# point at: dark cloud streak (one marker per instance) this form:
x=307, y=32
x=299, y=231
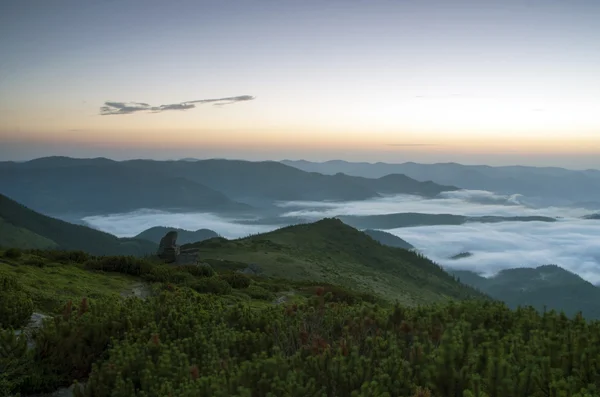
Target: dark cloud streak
x=116, y=108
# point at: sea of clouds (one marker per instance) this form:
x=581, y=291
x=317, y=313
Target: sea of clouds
x=572, y=243
x=462, y=202
x=133, y=223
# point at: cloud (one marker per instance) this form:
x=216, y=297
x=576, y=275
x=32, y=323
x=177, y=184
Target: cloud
x=484, y=197
x=132, y=223
x=462, y=202
x=412, y=144
x=116, y=108
x=571, y=244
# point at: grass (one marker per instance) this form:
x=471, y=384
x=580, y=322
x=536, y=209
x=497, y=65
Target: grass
x=293, y=261
x=51, y=284
x=14, y=236
x=329, y=251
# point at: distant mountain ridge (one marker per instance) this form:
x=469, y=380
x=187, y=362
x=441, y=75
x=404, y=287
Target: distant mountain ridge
x=410, y=219
x=549, y=286
x=56, y=185
x=21, y=227
x=545, y=182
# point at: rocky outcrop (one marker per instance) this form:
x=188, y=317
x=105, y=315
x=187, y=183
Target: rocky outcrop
x=168, y=250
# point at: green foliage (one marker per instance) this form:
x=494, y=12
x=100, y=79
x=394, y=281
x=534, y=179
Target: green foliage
x=120, y=264
x=50, y=284
x=68, y=346
x=62, y=256
x=13, y=253
x=15, y=305
x=194, y=347
x=255, y=291
x=14, y=362
x=236, y=280
x=211, y=285
x=326, y=340
x=199, y=270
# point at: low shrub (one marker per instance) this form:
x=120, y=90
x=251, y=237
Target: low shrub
x=16, y=306
x=199, y=270
x=35, y=261
x=257, y=292
x=236, y=280
x=120, y=264
x=62, y=256
x=15, y=362
x=211, y=285
x=67, y=346
x=13, y=253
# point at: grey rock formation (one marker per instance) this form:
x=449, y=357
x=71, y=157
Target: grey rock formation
x=168, y=250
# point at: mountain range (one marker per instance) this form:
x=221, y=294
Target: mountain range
x=62, y=185
x=328, y=251
x=552, y=185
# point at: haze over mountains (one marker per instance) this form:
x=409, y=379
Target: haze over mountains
x=547, y=185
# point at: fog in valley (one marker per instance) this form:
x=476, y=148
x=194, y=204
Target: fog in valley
x=570, y=242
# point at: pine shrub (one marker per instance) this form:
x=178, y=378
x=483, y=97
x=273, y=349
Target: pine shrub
x=12, y=253
x=16, y=306
x=211, y=285
x=199, y=270
x=236, y=280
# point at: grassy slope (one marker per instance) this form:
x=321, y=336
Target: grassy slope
x=14, y=236
x=53, y=284
x=330, y=251
x=67, y=235
x=386, y=238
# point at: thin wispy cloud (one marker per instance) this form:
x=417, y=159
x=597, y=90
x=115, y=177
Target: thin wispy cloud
x=412, y=144
x=111, y=108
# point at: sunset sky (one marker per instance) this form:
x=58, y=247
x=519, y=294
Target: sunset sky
x=496, y=82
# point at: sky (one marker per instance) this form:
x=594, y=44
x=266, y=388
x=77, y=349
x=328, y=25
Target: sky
x=476, y=82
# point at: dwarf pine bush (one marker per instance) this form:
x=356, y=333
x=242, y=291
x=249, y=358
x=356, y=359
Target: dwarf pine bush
x=194, y=337
x=16, y=306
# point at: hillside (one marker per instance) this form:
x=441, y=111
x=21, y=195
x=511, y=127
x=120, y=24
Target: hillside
x=545, y=286
x=14, y=236
x=333, y=252
x=130, y=327
x=24, y=228
x=389, y=239
x=155, y=234
x=408, y=219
